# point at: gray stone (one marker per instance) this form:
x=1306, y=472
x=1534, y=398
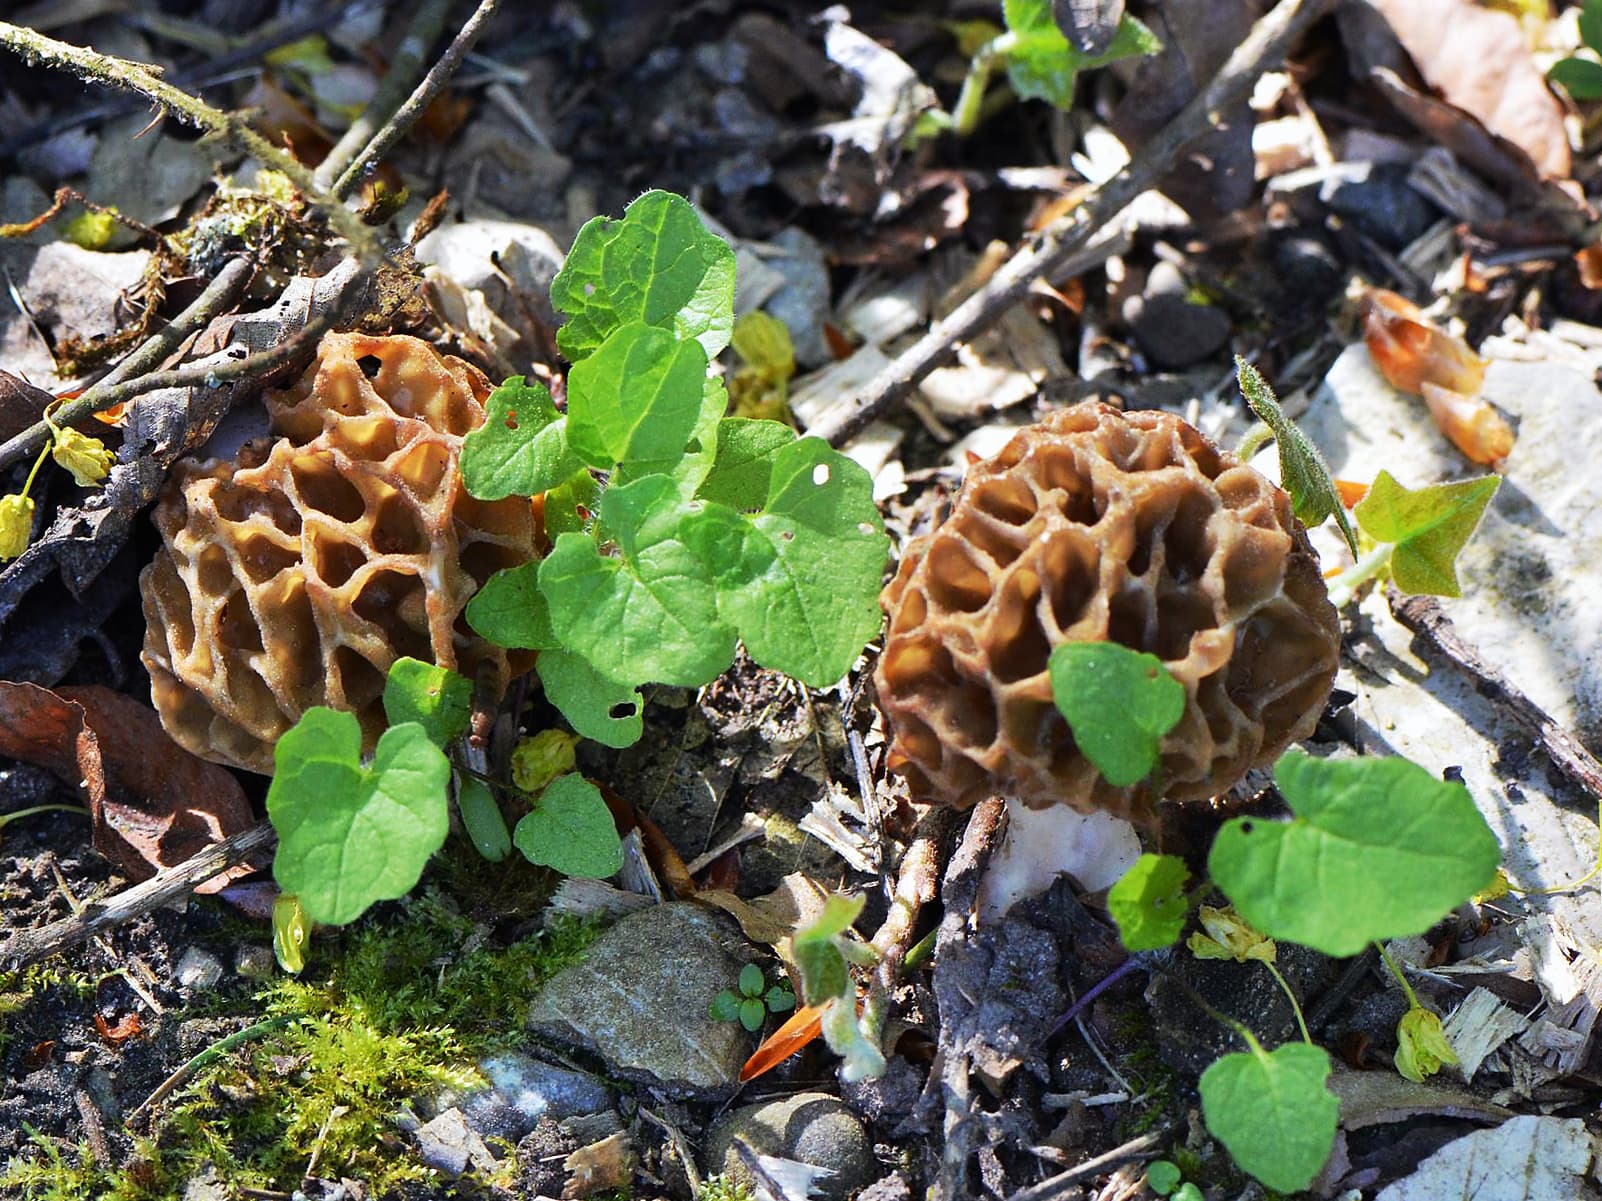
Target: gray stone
x=523, y=1090
x=640, y=997
x=449, y=1145
x=1529, y=578
x=255, y=962
x=803, y=301
x=1381, y=203
x=198, y=970
x=811, y=1128
x=1172, y=332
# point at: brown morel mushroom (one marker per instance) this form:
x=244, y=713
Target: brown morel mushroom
x=297, y=575
x=1100, y=525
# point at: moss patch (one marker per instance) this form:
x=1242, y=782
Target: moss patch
x=399, y=1005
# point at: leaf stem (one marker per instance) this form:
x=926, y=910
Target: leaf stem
x=1223, y=1019
x=970, y=101
x=1396, y=970
x=13, y=816
x=1373, y=564
x=1296, y=1006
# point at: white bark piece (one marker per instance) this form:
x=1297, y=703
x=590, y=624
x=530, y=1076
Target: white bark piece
x=1480, y=1025
x=1524, y=1159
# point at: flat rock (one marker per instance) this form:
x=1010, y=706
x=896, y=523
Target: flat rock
x=450, y=1145
x=523, y=1090
x=639, y=999
x=812, y=1128
x=1529, y=578
x=1173, y=332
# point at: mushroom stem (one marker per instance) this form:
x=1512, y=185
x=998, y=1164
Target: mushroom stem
x=1041, y=844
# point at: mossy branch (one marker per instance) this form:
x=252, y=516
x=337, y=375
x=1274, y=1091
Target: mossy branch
x=93, y=67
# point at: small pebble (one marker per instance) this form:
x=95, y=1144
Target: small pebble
x=255, y=962
x=199, y=970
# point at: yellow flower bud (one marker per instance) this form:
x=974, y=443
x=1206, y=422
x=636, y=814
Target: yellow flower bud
x=1230, y=936
x=538, y=760
x=87, y=458
x=16, y=523
x=292, y=931
x=1421, y=1046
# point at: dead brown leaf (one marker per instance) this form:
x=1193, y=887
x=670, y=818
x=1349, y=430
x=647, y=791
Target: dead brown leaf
x=1478, y=60
x=127, y=1027
x=152, y=803
x=20, y=404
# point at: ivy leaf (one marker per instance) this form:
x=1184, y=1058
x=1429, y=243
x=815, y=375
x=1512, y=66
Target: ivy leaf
x=659, y=265
x=602, y=711
x=436, y=698
x=571, y=829
x=521, y=449
x=744, y=466
x=1581, y=78
x=649, y=613
x=1591, y=24
x=347, y=835
x=570, y=507
x=510, y=609
x=483, y=821
x=809, y=608
x=1272, y=1112
x=1119, y=703
x=638, y=397
x=1301, y=467
x=1429, y=527
x=1043, y=65
x=1148, y=902
x=1378, y=849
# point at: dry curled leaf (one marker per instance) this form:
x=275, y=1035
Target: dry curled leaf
x=1409, y=350
x=1478, y=59
x=127, y=1027
x=1473, y=426
x=152, y=803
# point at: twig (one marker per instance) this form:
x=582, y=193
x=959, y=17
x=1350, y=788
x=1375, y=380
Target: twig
x=208, y=373
x=1055, y=1186
x=417, y=103
x=1053, y=248
x=94, y=67
x=1422, y=615
x=27, y=947
x=219, y=296
x=918, y=885
x=398, y=80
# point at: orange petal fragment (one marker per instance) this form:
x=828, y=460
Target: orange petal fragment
x=1409, y=351
x=1474, y=427
x=1350, y=492
x=805, y=1024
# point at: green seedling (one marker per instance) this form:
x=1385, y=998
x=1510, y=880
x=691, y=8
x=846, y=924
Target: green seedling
x=1165, y=1179
x=1581, y=75
x=1418, y=534
x=1040, y=62
x=755, y=1000
x=678, y=531
x=823, y=951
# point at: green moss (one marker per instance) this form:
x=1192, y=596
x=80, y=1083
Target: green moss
x=401, y=1004
x=725, y=1188
x=61, y=1173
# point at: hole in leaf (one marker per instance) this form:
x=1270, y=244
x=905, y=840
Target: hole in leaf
x=511, y=419
x=589, y=289
x=693, y=447
x=787, y=535
x=1246, y=827
x=622, y=711
x=864, y=529
x=820, y=474
x=371, y=365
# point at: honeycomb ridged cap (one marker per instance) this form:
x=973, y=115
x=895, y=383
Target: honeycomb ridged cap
x=298, y=573
x=1096, y=525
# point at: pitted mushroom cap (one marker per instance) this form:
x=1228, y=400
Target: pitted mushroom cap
x=297, y=575
x=1098, y=525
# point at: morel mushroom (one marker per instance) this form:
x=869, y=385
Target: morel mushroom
x=1100, y=525
x=297, y=575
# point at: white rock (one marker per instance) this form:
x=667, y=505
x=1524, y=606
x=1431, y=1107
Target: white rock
x=199, y=969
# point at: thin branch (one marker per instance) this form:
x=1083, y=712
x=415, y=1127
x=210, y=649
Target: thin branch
x=1054, y=248
x=93, y=67
x=26, y=947
x=1422, y=615
x=417, y=103
x=1142, y=1147
x=398, y=81
x=209, y=374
